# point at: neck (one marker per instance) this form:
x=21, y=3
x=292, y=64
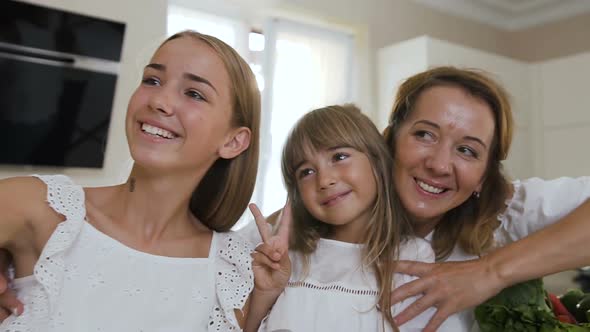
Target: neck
x=349, y=237
x=154, y=206
x=423, y=230
x=423, y=227
x=352, y=232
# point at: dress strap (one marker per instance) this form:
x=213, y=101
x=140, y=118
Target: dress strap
x=234, y=280
x=64, y=196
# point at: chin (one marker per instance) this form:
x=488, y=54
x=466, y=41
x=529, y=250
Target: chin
x=420, y=215
x=150, y=160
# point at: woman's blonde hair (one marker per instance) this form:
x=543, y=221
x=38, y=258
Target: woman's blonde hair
x=346, y=126
x=472, y=223
x=224, y=192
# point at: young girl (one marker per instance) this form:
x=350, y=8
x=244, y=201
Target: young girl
x=152, y=254
x=347, y=231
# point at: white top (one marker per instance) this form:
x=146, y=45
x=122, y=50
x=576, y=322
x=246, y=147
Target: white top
x=87, y=281
x=338, y=294
x=536, y=203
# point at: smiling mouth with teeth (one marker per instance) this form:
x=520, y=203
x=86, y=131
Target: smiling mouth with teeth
x=430, y=189
x=155, y=131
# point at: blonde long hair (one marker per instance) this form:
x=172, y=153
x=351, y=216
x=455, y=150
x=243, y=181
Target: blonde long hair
x=471, y=224
x=224, y=192
x=346, y=126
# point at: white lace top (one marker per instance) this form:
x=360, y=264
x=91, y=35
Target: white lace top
x=87, y=281
x=338, y=294
x=536, y=203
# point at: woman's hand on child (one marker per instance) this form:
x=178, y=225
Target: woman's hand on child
x=271, y=264
x=450, y=287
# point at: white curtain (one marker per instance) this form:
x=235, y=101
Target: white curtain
x=232, y=32
x=305, y=68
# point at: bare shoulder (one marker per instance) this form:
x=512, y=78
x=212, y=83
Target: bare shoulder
x=23, y=204
x=22, y=193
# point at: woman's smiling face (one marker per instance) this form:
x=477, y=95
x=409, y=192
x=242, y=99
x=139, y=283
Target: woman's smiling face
x=442, y=150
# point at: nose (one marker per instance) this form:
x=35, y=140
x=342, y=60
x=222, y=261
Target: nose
x=439, y=161
x=162, y=101
x=325, y=179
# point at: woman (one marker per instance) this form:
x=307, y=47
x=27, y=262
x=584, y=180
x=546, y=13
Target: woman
x=449, y=131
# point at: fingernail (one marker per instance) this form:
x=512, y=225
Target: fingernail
x=15, y=311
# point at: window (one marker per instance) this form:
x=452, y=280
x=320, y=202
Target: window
x=181, y=18
x=307, y=67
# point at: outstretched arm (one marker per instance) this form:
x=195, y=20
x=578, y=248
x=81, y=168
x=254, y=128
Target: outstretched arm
x=455, y=286
x=271, y=266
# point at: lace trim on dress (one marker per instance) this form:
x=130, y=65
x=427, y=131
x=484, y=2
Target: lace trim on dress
x=234, y=280
x=516, y=203
x=336, y=288
x=66, y=198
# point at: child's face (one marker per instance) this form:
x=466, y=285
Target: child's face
x=179, y=116
x=338, y=187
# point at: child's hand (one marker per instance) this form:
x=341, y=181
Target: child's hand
x=271, y=264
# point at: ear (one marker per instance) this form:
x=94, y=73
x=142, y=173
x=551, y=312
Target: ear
x=237, y=141
x=480, y=185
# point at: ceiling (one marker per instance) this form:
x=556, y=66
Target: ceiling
x=511, y=14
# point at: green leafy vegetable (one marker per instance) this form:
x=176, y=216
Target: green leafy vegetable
x=522, y=308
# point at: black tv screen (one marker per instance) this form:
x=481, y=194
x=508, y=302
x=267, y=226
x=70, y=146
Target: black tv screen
x=59, y=72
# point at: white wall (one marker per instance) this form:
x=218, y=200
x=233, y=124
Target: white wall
x=395, y=63
x=145, y=29
x=564, y=115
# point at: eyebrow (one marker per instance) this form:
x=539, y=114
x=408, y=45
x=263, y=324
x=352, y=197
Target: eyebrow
x=298, y=165
x=432, y=124
x=189, y=76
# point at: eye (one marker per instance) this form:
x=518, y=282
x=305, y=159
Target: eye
x=467, y=151
x=305, y=172
x=338, y=156
x=424, y=134
x=194, y=95
x=150, y=81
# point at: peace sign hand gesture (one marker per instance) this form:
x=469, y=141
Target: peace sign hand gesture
x=271, y=264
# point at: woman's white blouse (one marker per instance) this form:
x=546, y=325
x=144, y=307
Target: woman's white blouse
x=338, y=293
x=85, y=280
x=535, y=204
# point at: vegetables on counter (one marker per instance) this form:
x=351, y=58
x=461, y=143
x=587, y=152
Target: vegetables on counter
x=528, y=307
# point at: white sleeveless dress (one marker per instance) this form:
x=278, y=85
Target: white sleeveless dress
x=87, y=281
x=337, y=292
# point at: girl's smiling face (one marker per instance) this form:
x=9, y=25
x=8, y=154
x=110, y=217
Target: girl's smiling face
x=441, y=155
x=180, y=115
x=338, y=187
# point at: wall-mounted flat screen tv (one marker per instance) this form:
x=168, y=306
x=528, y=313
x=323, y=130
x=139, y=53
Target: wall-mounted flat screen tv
x=59, y=70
